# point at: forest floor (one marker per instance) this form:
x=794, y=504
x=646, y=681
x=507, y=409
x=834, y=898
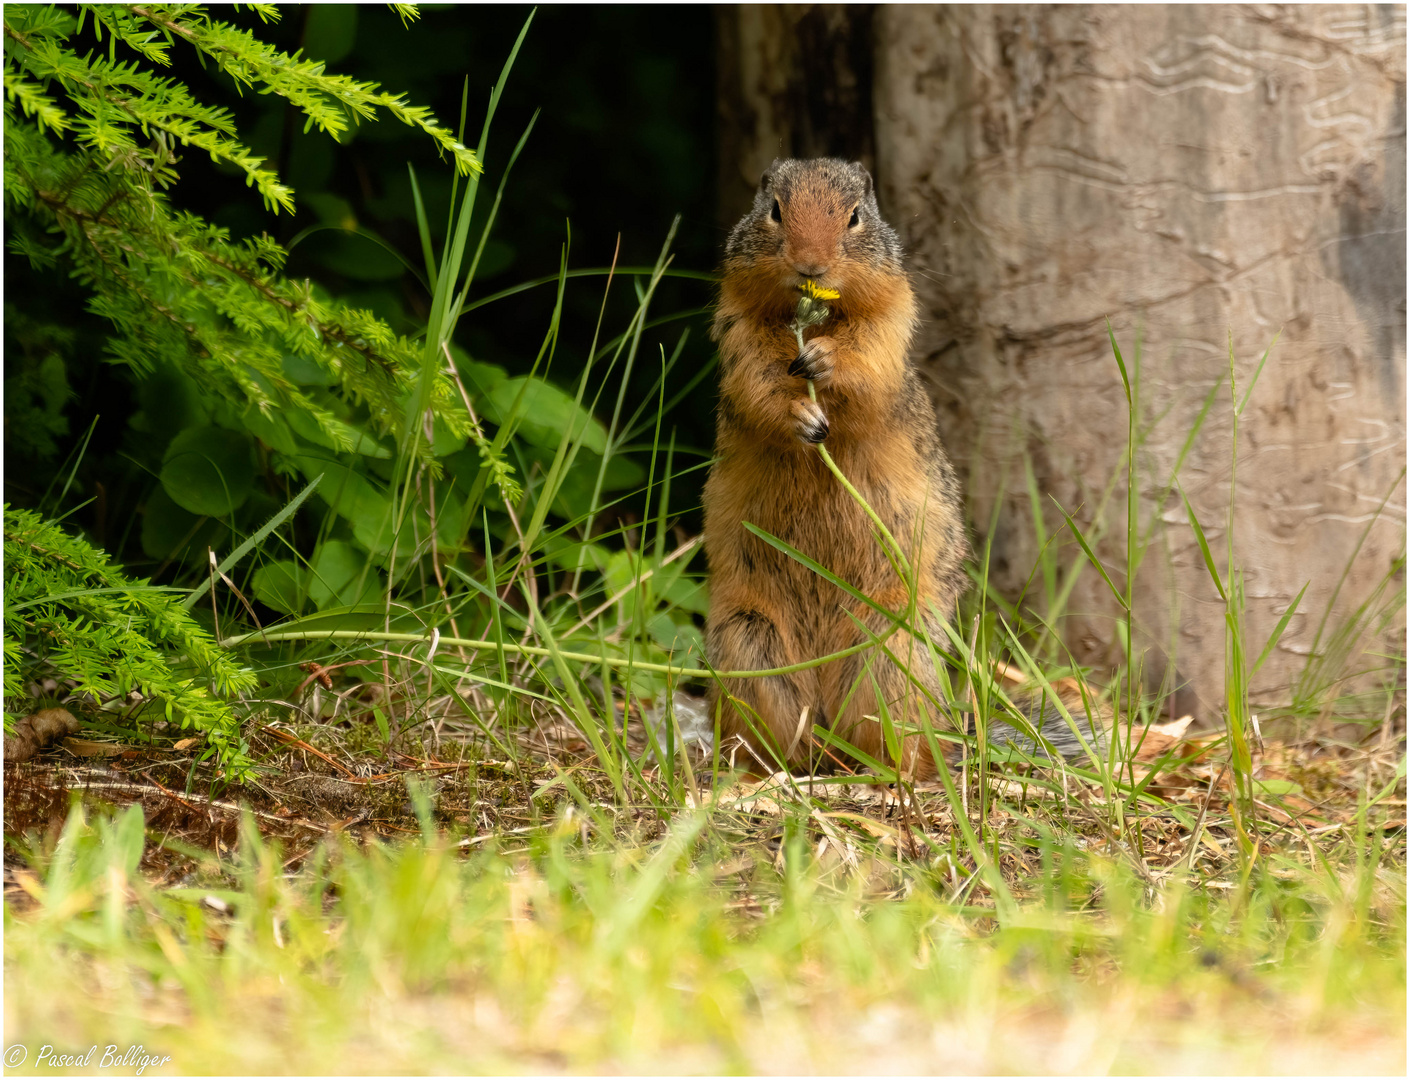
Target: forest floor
x=521, y=916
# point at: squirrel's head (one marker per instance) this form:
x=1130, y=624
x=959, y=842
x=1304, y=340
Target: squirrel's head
x=815, y=220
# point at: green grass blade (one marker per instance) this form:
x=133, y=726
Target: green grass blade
x=490, y=217
x=423, y=229
x=1278, y=631
x=1120, y=363
x=1257, y=372
x=826, y=574
x=254, y=541
x=1203, y=546
x=585, y=721
x=1091, y=555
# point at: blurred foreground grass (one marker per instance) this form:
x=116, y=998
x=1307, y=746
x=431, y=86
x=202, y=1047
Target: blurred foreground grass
x=563, y=952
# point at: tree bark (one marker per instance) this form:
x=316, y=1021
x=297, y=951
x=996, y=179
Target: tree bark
x=795, y=81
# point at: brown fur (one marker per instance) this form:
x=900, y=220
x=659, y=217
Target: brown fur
x=767, y=610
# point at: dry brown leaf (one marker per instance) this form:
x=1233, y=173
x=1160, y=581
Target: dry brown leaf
x=91, y=748
x=869, y=825
x=745, y=796
x=1160, y=738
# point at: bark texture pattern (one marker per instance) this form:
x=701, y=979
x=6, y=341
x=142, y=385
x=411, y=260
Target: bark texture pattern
x=1188, y=172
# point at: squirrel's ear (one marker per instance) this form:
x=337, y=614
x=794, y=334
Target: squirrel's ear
x=866, y=179
x=765, y=181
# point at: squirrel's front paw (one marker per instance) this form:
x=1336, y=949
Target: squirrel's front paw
x=815, y=361
x=809, y=421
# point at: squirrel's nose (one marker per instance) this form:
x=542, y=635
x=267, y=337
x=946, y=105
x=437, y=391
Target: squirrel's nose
x=811, y=270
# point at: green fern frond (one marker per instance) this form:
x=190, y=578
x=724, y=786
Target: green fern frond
x=71, y=615
x=32, y=99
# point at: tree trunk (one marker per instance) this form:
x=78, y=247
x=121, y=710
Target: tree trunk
x=794, y=81
x=1206, y=178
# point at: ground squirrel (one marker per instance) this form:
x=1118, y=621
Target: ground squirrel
x=815, y=224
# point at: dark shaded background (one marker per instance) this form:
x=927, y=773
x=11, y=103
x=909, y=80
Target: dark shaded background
x=624, y=142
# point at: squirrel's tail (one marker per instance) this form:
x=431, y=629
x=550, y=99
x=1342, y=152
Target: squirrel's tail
x=1052, y=728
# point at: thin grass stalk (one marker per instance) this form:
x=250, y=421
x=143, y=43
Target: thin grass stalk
x=639, y=326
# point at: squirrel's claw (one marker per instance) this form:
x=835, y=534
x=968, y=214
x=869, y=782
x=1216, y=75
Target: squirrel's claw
x=809, y=420
x=815, y=361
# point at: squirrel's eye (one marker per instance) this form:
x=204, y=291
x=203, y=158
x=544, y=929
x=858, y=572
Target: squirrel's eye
x=856, y=218
x=776, y=213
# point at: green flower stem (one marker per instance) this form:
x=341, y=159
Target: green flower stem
x=900, y=562
x=533, y=650
x=798, y=326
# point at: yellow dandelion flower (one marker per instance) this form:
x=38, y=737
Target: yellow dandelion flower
x=814, y=291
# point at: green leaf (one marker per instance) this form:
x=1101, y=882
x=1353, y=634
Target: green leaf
x=126, y=839
x=1203, y=545
x=168, y=530
x=227, y=563
x=675, y=636
x=1257, y=372
x=688, y=595
x=305, y=371
x=208, y=470
x=545, y=413
x=270, y=430
x=1278, y=631
x=340, y=577
x=479, y=378
x=575, y=490
x=569, y=554
x=444, y=441
x=1091, y=555
x=357, y=255
x=278, y=585
x=362, y=443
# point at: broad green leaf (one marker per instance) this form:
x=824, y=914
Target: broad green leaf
x=277, y=585
x=361, y=617
x=208, y=470
x=565, y=553
x=362, y=443
x=620, y=571
x=352, y=496
x=445, y=442
x=357, y=255
x=302, y=371
x=270, y=430
x=251, y=542
x=170, y=401
x=675, y=637
x=166, y=528
x=337, y=577
x=574, y=498
x=688, y=595
x=544, y=413
x=479, y=378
